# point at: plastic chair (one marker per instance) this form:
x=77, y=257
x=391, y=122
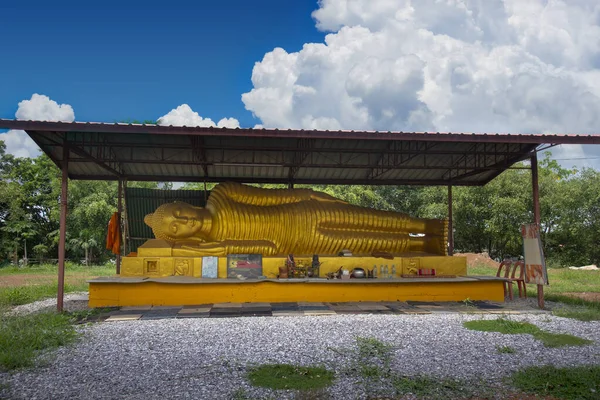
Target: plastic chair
x=505, y=265
x=519, y=265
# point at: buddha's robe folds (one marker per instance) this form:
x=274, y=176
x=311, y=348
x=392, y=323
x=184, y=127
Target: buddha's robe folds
x=246, y=219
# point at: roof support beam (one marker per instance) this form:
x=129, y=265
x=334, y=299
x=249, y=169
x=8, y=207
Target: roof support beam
x=278, y=149
x=155, y=178
x=199, y=153
x=304, y=148
x=420, y=149
x=88, y=157
x=499, y=166
x=289, y=165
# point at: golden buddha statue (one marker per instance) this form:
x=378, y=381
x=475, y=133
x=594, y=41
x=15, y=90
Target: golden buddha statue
x=246, y=220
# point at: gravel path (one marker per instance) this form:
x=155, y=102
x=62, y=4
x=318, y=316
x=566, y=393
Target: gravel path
x=76, y=301
x=207, y=358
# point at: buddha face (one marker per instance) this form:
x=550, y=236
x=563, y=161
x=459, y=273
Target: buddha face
x=178, y=221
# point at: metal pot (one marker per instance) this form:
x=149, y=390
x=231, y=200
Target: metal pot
x=358, y=273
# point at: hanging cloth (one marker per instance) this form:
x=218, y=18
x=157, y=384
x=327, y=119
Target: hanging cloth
x=113, y=237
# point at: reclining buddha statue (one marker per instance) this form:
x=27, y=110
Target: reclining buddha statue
x=245, y=219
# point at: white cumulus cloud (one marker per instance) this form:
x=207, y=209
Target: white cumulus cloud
x=42, y=108
x=19, y=144
x=444, y=65
x=38, y=108
x=185, y=116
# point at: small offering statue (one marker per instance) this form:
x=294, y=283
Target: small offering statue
x=244, y=219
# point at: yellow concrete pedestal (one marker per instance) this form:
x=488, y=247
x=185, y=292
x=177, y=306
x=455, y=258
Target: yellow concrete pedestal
x=157, y=275
x=175, y=291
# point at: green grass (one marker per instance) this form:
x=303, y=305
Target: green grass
x=22, y=338
x=515, y=327
x=561, y=383
x=17, y=295
x=286, y=376
x=580, y=309
x=502, y=325
x=562, y=280
x=100, y=270
x=505, y=350
x=585, y=314
x=560, y=339
x=481, y=270
x=40, y=282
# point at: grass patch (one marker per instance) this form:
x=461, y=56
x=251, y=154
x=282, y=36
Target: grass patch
x=287, y=376
x=370, y=364
x=372, y=359
x=580, y=309
x=22, y=338
x=505, y=350
x=507, y=326
x=17, y=295
x=502, y=325
x=28, y=284
x=581, y=314
x=562, y=383
x=106, y=269
x=562, y=280
x=560, y=339
x=481, y=269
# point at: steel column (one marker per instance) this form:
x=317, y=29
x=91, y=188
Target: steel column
x=119, y=210
x=536, y=214
x=125, y=218
x=63, y=228
x=450, y=223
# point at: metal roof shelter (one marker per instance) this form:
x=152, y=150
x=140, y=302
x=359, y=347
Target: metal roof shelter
x=100, y=151
x=185, y=154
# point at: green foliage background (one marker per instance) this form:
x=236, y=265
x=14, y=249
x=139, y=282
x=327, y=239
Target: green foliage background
x=485, y=218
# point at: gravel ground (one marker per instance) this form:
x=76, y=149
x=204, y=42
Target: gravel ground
x=76, y=301
x=208, y=358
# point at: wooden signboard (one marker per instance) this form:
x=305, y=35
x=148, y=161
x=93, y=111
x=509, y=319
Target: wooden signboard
x=535, y=264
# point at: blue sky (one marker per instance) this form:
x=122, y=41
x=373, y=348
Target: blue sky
x=507, y=66
x=135, y=61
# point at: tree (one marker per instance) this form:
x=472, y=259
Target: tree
x=87, y=244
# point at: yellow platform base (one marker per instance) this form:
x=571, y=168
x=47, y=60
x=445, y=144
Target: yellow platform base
x=177, y=291
x=156, y=258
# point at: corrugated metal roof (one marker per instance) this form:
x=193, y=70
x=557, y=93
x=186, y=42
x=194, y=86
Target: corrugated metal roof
x=167, y=153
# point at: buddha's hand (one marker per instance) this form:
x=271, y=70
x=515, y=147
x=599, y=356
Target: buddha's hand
x=320, y=196
x=209, y=248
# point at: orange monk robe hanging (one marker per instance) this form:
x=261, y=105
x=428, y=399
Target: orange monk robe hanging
x=113, y=237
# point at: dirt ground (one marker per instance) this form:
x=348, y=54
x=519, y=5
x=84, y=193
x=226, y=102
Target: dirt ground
x=585, y=296
x=475, y=259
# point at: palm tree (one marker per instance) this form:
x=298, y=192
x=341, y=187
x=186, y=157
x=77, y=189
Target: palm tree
x=85, y=244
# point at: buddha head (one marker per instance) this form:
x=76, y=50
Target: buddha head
x=179, y=221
